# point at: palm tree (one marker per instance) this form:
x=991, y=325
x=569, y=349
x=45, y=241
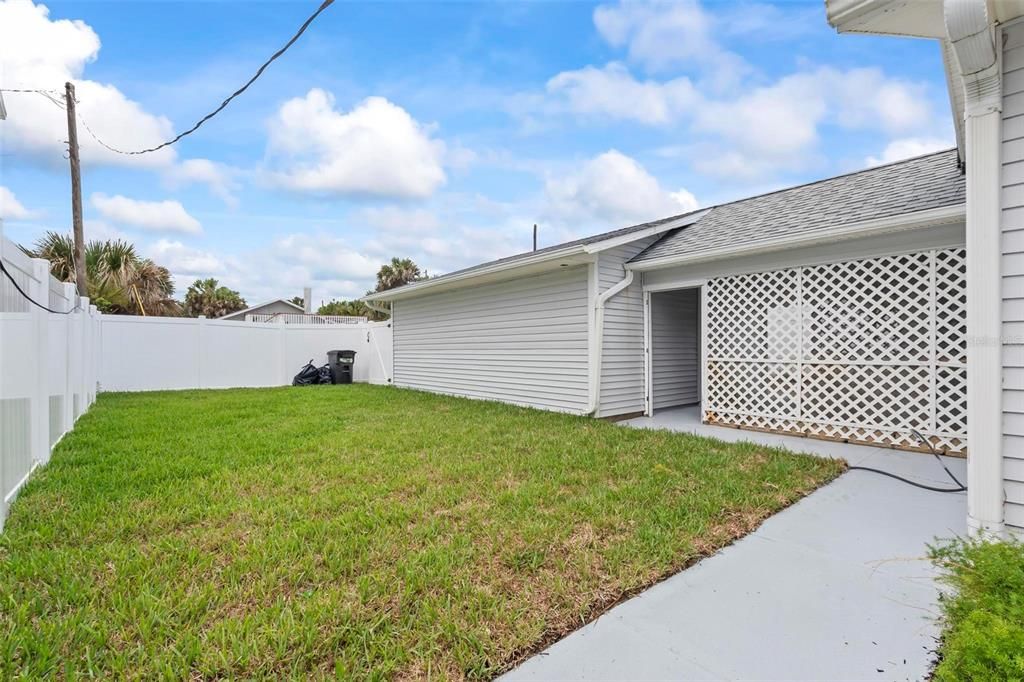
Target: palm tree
x=398, y=272
x=207, y=297
x=118, y=280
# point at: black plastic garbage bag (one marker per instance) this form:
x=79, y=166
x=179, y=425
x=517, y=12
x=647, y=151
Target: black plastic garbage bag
x=307, y=376
x=325, y=375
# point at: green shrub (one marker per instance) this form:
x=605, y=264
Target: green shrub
x=984, y=617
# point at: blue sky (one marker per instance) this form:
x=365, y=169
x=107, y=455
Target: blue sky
x=438, y=131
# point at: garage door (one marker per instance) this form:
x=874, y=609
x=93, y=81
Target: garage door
x=867, y=351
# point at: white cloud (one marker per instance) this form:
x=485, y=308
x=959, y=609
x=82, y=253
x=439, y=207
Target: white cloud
x=907, y=147
x=219, y=178
x=613, y=188
x=377, y=148
x=667, y=33
x=184, y=260
x=325, y=257
x=154, y=216
x=614, y=92
x=778, y=126
x=39, y=51
x=10, y=207
x=775, y=121
x=867, y=98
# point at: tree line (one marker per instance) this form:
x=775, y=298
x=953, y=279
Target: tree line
x=121, y=282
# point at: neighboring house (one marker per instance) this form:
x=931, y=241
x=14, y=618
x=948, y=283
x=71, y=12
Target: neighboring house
x=983, y=56
x=276, y=307
x=834, y=309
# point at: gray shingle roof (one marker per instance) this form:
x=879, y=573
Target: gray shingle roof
x=918, y=184
x=576, y=242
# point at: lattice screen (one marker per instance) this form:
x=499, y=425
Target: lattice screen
x=865, y=351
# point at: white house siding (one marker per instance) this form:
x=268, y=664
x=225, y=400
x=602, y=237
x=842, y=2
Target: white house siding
x=1013, y=274
x=522, y=341
x=675, y=348
x=622, y=359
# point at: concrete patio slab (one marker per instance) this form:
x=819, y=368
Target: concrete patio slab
x=837, y=587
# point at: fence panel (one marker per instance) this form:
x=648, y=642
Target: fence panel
x=47, y=365
x=154, y=353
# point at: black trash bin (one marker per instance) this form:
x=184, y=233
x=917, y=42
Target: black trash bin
x=341, y=361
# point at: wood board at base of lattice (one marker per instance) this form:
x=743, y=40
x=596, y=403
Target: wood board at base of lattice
x=952, y=446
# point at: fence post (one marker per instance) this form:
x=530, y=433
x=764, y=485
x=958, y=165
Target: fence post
x=39, y=290
x=200, y=328
x=97, y=340
x=282, y=354
x=83, y=355
x=70, y=295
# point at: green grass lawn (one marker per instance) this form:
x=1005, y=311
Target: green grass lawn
x=356, y=531
x=984, y=617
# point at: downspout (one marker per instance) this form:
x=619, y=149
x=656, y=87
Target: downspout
x=595, y=360
x=970, y=33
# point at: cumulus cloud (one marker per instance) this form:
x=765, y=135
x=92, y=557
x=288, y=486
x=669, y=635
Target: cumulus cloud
x=773, y=126
x=325, y=256
x=907, y=147
x=10, y=207
x=614, y=92
x=377, y=148
x=219, y=178
x=153, y=216
x=184, y=260
x=614, y=188
x=778, y=126
x=737, y=124
x=38, y=50
x=667, y=33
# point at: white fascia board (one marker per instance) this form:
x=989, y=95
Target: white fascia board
x=574, y=255
x=868, y=228
x=628, y=238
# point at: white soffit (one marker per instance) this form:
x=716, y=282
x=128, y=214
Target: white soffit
x=918, y=18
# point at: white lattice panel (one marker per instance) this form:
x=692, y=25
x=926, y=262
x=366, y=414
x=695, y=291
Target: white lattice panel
x=767, y=332
x=866, y=351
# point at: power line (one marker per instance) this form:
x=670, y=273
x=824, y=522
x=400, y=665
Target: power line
x=236, y=93
x=55, y=96
x=28, y=298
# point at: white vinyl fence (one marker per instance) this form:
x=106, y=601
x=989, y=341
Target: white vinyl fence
x=53, y=363
x=159, y=353
x=48, y=363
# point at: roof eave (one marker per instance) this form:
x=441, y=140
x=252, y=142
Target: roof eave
x=887, y=17
x=541, y=261
x=867, y=228
x=260, y=305
x=573, y=255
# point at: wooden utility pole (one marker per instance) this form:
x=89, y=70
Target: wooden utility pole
x=76, y=189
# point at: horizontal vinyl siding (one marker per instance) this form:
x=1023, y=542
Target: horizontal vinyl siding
x=675, y=350
x=1012, y=224
x=622, y=358
x=523, y=341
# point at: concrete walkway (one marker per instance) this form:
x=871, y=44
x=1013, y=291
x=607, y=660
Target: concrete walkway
x=834, y=588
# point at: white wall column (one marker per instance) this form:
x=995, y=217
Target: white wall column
x=984, y=324
x=971, y=33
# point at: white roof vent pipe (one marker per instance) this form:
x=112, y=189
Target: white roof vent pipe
x=970, y=33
